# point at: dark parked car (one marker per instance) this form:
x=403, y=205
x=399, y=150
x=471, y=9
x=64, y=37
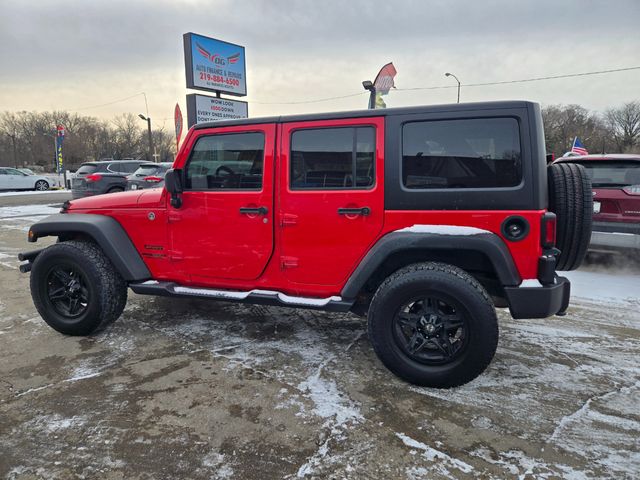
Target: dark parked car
x=148, y=175
x=95, y=178
x=616, y=200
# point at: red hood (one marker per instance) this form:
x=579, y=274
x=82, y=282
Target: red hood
x=130, y=199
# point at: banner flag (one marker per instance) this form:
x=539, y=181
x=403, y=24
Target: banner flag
x=59, y=141
x=384, y=82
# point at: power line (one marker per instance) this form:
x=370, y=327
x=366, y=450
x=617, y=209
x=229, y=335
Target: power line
x=442, y=87
x=439, y=87
x=111, y=103
x=318, y=100
x=535, y=79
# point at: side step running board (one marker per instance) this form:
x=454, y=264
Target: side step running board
x=264, y=297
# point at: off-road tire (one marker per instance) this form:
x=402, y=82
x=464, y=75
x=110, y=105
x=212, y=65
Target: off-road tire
x=107, y=291
x=571, y=199
x=475, y=303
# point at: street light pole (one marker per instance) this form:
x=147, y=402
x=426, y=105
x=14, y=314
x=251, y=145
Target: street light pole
x=452, y=75
x=148, y=120
x=368, y=85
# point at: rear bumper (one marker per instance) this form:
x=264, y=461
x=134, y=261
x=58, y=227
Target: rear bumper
x=539, y=302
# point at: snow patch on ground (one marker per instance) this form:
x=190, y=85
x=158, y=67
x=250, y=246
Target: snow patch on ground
x=601, y=286
x=432, y=455
x=32, y=192
x=22, y=217
x=23, y=211
x=329, y=402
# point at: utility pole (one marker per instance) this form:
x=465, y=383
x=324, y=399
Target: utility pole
x=15, y=150
x=150, y=155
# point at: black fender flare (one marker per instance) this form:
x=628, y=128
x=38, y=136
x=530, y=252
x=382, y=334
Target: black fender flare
x=105, y=231
x=489, y=244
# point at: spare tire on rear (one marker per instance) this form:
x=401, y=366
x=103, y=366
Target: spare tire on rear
x=571, y=199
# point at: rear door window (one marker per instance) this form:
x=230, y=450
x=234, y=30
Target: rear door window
x=466, y=153
x=333, y=158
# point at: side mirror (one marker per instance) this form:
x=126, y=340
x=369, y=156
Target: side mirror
x=173, y=184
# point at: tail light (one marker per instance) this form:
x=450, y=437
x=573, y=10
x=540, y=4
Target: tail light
x=632, y=190
x=94, y=177
x=152, y=179
x=548, y=233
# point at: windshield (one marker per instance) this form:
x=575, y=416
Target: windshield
x=613, y=174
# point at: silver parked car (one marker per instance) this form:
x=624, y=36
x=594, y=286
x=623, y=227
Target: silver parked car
x=14, y=179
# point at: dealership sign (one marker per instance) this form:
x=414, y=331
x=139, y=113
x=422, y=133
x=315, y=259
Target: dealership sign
x=202, y=108
x=214, y=65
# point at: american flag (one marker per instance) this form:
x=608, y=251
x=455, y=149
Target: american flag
x=578, y=147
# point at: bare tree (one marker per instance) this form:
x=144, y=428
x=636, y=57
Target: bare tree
x=562, y=123
x=625, y=126
x=128, y=136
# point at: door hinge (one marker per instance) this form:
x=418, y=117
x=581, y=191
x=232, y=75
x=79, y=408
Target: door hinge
x=288, y=219
x=174, y=217
x=288, y=262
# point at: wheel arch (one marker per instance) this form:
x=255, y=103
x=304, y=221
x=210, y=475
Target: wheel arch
x=484, y=256
x=104, y=231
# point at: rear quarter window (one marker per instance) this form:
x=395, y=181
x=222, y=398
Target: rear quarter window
x=86, y=169
x=466, y=153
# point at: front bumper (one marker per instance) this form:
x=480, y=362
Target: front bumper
x=539, y=302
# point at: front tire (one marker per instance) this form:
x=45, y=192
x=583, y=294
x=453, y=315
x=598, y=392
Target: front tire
x=433, y=325
x=41, y=185
x=76, y=289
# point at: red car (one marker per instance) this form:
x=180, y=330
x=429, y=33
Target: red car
x=422, y=218
x=616, y=200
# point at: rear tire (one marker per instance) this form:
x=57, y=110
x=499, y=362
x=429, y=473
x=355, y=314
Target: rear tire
x=76, y=289
x=41, y=185
x=571, y=199
x=115, y=190
x=433, y=325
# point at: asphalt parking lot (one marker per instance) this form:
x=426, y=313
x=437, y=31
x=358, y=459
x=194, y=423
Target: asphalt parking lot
x=201, y=389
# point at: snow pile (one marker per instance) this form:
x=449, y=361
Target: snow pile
x=32, y=192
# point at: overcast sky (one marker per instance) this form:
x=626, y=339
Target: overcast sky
x=78, y=54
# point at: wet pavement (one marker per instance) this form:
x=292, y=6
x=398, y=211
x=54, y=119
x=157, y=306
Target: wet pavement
x=202, y=389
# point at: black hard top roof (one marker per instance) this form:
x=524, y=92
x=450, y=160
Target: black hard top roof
x=369, y=113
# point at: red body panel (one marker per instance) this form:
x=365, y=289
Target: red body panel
x=301, y=247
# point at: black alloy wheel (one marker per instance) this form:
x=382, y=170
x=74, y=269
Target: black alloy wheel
x=67, y=291
x=430, y=329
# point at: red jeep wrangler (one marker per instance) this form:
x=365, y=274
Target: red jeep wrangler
x=422, y=218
